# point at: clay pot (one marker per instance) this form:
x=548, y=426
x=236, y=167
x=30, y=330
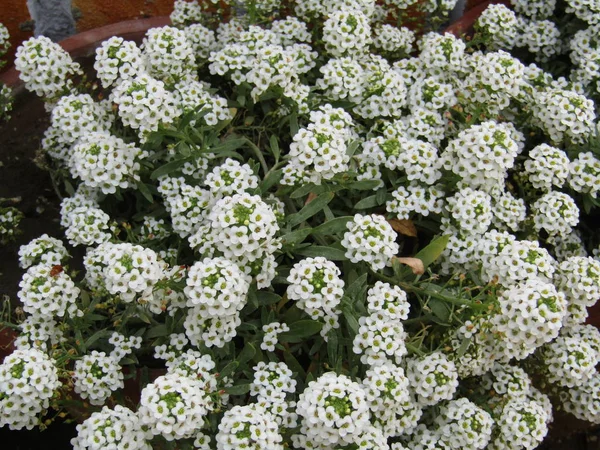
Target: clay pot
x=466, y=22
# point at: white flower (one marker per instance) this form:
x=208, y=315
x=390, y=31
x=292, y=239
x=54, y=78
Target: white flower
x=583, y=400
x=201, y=328
x=379, y=339
x=169, y=55
x=111, y=428
x=579, y=278
x=218, y=285
x=463, y=425
x=499, y=26
x=45, y=67
x=569, y=361
x=248, y=427
x=333, y=409
x=433, y=378
x=28, y=380
x=584, y=174
x=393, y=40
x=43, y=250
x=186, y=12
x=370, y=239
x=388, y=300
x=556, y=213
x=522, y=425
x=346, y=32
x=96, y=376
x=48, y=291
x=230, y=178
x=547, y=167
x=470, y=212
x=272, y=330
x=174, y=406
x=272, y=382
x=117, y=60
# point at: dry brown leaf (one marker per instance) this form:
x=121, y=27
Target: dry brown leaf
x=415, y=264
x=310, y=198
x=403, y=226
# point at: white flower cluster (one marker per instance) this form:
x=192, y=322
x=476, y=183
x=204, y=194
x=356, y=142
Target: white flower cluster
x=334, y=410
x=585, y=174
x=291, y=30
x=431, y=93
x=380, y=338
x=385, y=92
x=202, y=40
x=45, y=67
x=540, y=37
x=522, y=425
x=187, y=204
x=578, y=277
x=106, y=162
x=186, y=12
x=43, y=250
x=96, y=376
x=584, y=56
x=586, y=10
x=546, y=167
x=319, y=151
x=125, y=269
x=230, y=178
x=346, y=32
x=392, y=40
x=272, y=330
x=173, y=406
x=499, y=26
x=570, y=361
x=143, y=103
x=415, y=198
x=192, y=96
x=371, y=239
x=169, y=55
x=316, y=285
x=342, y=79
x=123, y=345
x=48, y=291
x=564, y=115
x=388, y=300
x=494, y=79
x=534, y=9
x=4, y=39
x=461, y=424
x=272, y=382
x=556, y=213
x=250, y=427
x=432, y=377
x=508, y=211
x=86, y=225
x=530, y=314
x=28, y=380
x=513, y=261
x=40, y=332
x=470, y=212
x=442, y=54
x=76, y=116
x=582, y=400
x=481, y=155
x=118, y=60
x=111, y=428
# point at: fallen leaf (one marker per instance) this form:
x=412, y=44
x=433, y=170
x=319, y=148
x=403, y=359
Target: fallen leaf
x=415, y=264
x=310, y=198
x=403, y=226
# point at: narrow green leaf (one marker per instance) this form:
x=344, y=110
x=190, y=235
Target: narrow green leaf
x=311, y=209
x=296, y=237
x=143, y=188
x=246, y=354
x=168, y=168
x=364, y=185
x=228, y=145
x=333, y=348
x=96, y=336
x=433, y=250
x=367, y=202
x=300, y=330
x=333, y=226
x=381, y=196
x=275, y=147
x=157, y=331
x=293, y=364
x=303, y=190
x=238, y=389
x=354, y=145
x=266, y=298
x=464, y=346
x=355, y=289
x=294, y=124
x=440, y=309
x=228, y=369
x=330, y=253
x=271, y=179
x=353, y=324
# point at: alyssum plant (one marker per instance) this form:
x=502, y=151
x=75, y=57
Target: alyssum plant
x=329, y=233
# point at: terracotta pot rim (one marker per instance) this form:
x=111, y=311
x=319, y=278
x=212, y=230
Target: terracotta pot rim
x=86, y=42
x=466, y=22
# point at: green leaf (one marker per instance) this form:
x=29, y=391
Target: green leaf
x=367, y=202
x=304, y=190
x=266, y=298
x=238, y=389
x=464, y=346
x=300, y=330
x=333, y=348
x=364, y=185
x=228, y=369
x=96, y=336
x=294, y=124
x=355, y=289
x=333, y=226
x=293, y=364
x=311, y=209
x=157, y=331
x=354, y=145
x=275, y=147
x=296, y=237
x=246, y=354
x=143, y=188
x=168, y=168
x=381, y=196
x=330, y=253
x=184, y=149
x=353, y=324
x=271, y=179
x=433, y=251
x=440, y=309
x=228, y=145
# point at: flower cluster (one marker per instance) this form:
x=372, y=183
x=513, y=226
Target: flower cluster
x=370, y=239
